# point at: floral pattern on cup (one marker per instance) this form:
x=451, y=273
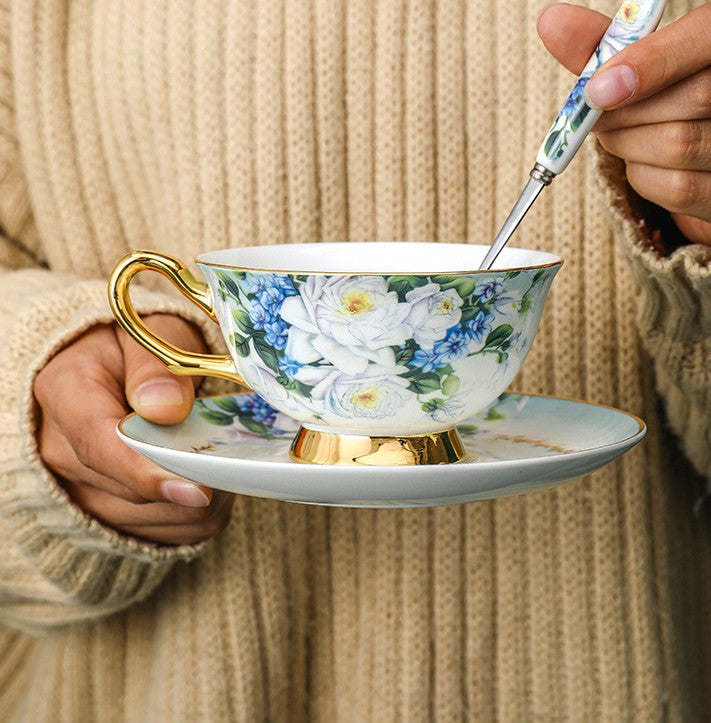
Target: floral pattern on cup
x=367, y=348
x=248, y=413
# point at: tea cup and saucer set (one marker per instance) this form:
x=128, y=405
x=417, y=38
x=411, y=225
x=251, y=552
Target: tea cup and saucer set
x=378, y=376
x=378, y=371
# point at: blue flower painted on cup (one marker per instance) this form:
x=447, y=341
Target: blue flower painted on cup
x=489, y=289
x=454, y=346
x=268, y=295
x=478, y=327
x=290, y=367
x=428, y=361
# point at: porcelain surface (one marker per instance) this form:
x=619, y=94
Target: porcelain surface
x=520, y=443
x=384, y=354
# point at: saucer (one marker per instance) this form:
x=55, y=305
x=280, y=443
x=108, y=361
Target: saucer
x=520, y=443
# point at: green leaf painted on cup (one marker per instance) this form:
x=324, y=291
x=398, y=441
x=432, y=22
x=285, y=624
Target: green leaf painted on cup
x=525, y=304
x=540, y=275
x=228, y=283
x=266, y=352
x=469, y=312
x=241, y=347
x=425, y=383
x=498, y=336
x=294, y=385
x=450, y=385
x=432, y=404
x=242, y=320
x=404, y=355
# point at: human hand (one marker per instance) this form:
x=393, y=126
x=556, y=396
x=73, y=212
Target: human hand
x=657, y=94
x=82, y=392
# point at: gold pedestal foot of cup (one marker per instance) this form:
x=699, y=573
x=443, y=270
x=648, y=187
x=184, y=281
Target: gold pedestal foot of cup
x=314, y=447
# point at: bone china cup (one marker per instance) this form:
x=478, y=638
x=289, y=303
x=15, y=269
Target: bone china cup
x=378, y=349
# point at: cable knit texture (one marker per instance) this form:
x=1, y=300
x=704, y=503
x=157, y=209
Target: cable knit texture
x=185, y=125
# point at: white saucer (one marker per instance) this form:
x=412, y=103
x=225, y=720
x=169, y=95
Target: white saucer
x=521, y=443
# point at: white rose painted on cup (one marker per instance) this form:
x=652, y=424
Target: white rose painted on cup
x=347, y=321
x=264, y=381
x=432, y=313
x=368, y=396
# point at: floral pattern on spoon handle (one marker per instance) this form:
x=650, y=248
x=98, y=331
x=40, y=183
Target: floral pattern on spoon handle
x=634, y=20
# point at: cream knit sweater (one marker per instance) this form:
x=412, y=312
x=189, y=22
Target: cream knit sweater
x=184, y=125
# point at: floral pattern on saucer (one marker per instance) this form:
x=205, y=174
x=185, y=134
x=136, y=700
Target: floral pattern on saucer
x=244, y=416
x=521, y=443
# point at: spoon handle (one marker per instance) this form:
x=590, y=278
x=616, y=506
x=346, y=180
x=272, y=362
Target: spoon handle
x=633, y=20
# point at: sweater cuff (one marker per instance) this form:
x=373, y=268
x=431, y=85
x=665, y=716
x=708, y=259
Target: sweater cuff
x=673, y=312
x=80, y=565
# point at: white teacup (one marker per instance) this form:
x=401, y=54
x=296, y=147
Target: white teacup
x=378, y=349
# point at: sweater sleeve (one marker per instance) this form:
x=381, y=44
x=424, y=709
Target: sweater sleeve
x=673, y=314
x=57, y=565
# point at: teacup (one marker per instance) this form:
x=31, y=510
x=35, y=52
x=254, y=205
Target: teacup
x=377, y=349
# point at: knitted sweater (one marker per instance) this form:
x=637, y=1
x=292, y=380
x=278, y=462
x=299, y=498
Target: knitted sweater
x=192, y=124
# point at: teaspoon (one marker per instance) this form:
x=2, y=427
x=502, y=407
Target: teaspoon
x=632, y=21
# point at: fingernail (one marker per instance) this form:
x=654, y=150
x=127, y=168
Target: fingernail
x=160, y=393
x=184, y=493
x=611, y=87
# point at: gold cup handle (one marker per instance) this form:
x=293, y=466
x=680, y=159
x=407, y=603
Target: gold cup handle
x=177, y=360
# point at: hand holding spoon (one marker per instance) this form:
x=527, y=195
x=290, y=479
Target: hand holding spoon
x=632, y=21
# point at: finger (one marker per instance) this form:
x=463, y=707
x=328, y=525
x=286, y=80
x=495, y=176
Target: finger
x=571, y=34
x=81, y=394
x=679, y=191
x=186, y=535
x=120, y=513
x=678, y=144
x=154, y=392
x=689, y=99
x=60, y=458
x=654, y=63
x=695, y=230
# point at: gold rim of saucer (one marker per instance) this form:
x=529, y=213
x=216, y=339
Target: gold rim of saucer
x=314, y=447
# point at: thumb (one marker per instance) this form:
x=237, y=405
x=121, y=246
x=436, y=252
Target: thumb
x=151, y=390
x=571, y=33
